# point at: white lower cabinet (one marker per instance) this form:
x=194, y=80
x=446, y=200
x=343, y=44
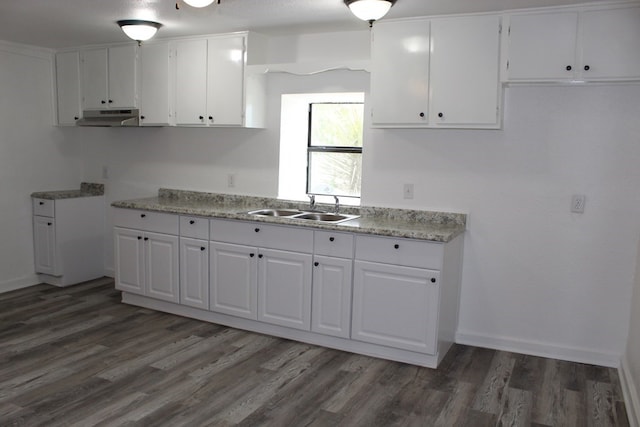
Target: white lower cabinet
x=147, y=254
x=68, y=239
x=252, y=276
x=194, y=273
x=395, y=298
x=331, y=301
x=44, y=237
x=284, y=288
x=233, y=280
x=395, y=306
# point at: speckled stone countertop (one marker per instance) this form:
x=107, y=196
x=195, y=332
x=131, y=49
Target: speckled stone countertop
x=87, y=189
x=423, y=225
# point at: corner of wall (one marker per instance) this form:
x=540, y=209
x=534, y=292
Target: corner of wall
x=629, y=392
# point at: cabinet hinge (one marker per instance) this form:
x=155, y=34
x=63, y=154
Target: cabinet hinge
x=509, y=31
x=507, y=65
x=500, y=29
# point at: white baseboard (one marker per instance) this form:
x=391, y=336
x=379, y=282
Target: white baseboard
x=19, y=283
x=630, y=393
x=542, y=349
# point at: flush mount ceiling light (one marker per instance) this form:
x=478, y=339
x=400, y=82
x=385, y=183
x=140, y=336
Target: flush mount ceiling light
x=138, y=29
x=199, y=3
x=369, y=10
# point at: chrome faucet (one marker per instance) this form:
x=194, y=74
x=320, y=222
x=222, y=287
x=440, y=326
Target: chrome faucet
x=336, y=208
x=312, y=202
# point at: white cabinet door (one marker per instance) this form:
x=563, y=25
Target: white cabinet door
x=68, y=87
x=465, y=60
x=194, y=273
x=284, y=288
x=233, y=280
x=109, y=77
x=395, y=306
x=122, y=76
x=94, y=78
x=400, y=73
x=611, y=44
x=542, y=46
x=225, y=82
x=129, y=260
x=331, y=300
x=154, y=84
x=191, y=82
x=44, y=242
x=161, y=262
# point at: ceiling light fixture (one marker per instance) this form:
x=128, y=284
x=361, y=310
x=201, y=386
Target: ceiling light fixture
x=369, y=10
x=138, y=29
x=198, y=3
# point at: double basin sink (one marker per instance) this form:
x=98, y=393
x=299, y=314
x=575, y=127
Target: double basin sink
x=333, y=218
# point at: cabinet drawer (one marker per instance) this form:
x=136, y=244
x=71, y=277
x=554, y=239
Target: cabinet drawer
x=333, y=244
x=262, y=235
x=398, y=251
x=194, y=227
x=44, y=207
x=146, y=221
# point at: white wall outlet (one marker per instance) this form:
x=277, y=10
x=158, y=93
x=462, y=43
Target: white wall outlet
x=407, y=191
x=105, y=172
x=231, y=180
x=577, y=203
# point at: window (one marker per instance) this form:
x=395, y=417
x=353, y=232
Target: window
x=334, y=161
x=317, y=141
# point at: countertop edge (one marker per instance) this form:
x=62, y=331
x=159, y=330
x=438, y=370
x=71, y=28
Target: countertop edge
x=439, y=233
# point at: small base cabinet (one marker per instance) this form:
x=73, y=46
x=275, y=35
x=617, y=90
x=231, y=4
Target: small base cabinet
x=233, y=278
x=147, y=254
x=395, y=306
x=253, y=275
x=194, y=262
x=332, y=276
x=284, y=288
x=68, y=239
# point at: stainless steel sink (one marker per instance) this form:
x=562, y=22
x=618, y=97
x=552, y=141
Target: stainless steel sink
x=325, y=217
x=275, y=212
x=307, y=216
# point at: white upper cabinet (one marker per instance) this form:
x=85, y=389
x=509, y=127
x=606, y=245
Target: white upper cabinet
x=465, y=64
x=155, y=92
x=68, y=87
x=542, y=46
x=109, y=77
x=225, y=80
x=191, y=82
x=611, y=44
x=436, y=73
x=212, y=86
x=574, y=45
x=400, y=73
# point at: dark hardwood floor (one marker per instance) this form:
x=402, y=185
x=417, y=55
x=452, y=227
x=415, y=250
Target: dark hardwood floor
x=78, y=357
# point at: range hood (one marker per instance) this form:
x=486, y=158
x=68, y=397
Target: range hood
x=110, y=118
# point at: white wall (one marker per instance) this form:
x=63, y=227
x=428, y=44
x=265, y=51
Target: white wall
x=536, y=277
x=34, y=155
x=630, y=369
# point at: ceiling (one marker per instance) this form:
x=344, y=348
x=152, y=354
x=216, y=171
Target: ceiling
x=68, y=23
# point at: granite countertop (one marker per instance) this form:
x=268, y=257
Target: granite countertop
x=423, y=225
x=87, y=189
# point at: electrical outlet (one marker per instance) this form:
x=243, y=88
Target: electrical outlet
x=577, y=203
x=407, y=191
x=231, y=180
x=105, y=172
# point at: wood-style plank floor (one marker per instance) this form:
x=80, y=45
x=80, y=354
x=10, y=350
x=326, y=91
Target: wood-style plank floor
x=78, y=357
